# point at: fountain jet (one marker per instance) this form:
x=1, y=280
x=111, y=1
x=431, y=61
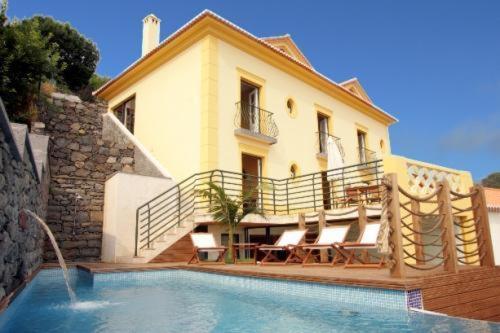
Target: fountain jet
x=60, y=258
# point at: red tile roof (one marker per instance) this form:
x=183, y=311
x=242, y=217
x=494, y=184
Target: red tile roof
x=492, y=199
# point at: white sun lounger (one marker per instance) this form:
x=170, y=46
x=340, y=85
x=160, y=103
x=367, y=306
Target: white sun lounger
x=366, y=241
x=325, y=240
x=205, y=242
x=288, y=242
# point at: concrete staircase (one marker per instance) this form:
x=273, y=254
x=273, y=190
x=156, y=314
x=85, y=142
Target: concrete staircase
x=149, y=180
x=161, y=244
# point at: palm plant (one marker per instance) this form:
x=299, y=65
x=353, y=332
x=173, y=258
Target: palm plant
x=230, y=210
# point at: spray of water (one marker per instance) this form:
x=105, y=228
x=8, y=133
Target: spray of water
x=60, y=258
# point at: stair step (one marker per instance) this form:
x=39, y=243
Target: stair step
x=180, y=251
x=167, y=247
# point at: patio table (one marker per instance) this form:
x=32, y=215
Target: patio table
x=245, y=246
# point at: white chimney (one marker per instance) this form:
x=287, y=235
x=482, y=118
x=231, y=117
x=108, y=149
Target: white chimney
x=150, y=33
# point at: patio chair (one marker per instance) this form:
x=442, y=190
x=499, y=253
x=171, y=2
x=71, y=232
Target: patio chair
x=352, y=196
x=288, y=242
x=205, y=242
x=366, y=241
x=324, y=241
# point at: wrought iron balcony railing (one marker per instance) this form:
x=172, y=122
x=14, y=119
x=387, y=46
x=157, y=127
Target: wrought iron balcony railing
x=323, y=143
x=255, y=120
x=366, y=155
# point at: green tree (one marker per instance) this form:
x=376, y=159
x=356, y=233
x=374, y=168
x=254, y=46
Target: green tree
x=492, y=180
x=228, y=210
x=3, y=14
x=27, y=58
x=3, y=28
x=78, y=55
x=41, y=49
x=95, y=82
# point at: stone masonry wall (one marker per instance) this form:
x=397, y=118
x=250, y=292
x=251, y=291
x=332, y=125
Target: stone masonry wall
x=80, y=162
x=21, y=241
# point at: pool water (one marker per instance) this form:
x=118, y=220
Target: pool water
x=175, y=303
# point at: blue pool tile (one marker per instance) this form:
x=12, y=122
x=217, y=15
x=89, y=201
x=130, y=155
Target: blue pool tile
x=391, y=299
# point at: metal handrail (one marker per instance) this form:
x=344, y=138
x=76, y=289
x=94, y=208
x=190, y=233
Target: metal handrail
x=333, y=188
x=323, y=142
x=256, y=120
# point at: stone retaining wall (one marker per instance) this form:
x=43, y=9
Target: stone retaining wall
x=80, y=162
x=21, y=240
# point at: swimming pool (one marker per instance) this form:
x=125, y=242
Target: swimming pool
x=186, y=301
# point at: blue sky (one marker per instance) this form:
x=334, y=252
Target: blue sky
x=435, y=65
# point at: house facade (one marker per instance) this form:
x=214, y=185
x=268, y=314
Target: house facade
x=212, y=96
x=493, y=204
x=189, y=90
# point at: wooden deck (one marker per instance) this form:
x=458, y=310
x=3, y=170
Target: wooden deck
x=472, y=293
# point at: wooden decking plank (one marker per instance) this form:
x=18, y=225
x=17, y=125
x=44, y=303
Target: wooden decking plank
x=495, y=317
x=472, y=293
x=482, y=314
x=459, y=288
x=469, y=275
x=474, y=306
x=439, y=303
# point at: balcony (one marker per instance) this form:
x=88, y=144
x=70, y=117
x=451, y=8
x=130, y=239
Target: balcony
x=255, y=123
x=322, y=142
x=366, y=155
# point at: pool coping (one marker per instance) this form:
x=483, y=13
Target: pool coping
x=395, y=285
x=403, y=286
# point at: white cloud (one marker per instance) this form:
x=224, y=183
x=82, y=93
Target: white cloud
x=474, y=135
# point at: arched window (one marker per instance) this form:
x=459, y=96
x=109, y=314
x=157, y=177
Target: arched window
x=382, y=146
x=294, y=170
x=290, y=108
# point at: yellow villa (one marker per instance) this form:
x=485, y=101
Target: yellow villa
x=214, y=102
x=183, y=95
x=221, y=183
